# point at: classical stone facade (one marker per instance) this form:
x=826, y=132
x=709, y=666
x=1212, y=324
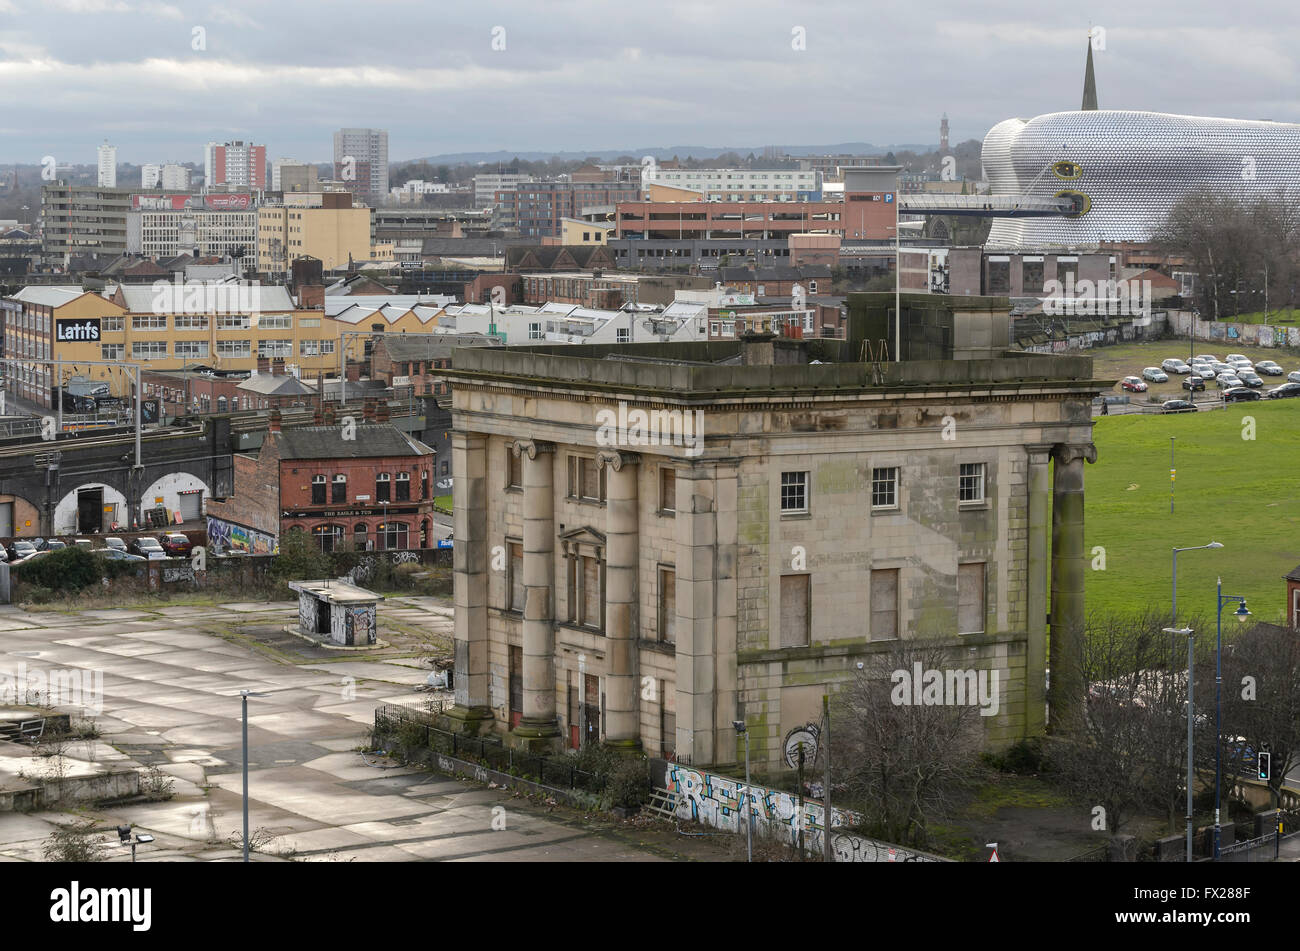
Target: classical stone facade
x=647, y=586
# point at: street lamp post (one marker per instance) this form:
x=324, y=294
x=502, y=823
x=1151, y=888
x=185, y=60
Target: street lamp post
x=1240, y=614
x=1190, y=635
x=244, y=695
x=749, y=812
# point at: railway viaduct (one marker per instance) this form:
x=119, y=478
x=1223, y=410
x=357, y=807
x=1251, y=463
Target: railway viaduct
x=82, y=483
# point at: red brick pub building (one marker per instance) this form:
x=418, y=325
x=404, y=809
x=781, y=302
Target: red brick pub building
x=364, y=485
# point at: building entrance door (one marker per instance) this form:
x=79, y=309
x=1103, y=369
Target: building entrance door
x=90, y=511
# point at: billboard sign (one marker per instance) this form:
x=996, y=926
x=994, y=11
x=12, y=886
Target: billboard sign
x=191, y=202
x=79, y=330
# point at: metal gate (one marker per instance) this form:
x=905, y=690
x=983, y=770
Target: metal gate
x=6, y=519
x=191, y=505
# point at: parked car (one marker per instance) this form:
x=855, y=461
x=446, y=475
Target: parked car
x=1236, y=356
x=1227, y=380
x=175, y=544
x=1269, y=368
x=1204, y=371
x=51, y=544
x=1193, y=383
x=1155, y=375
x=83, y=543
x=147, y=547
x=18, y=549
x=1207, y=357
x=1283, y=392
x=117, y=554
x=1240, y=394
x=1250, y=379
x=1293, y=376
x=1177, y=406
x=1133, y=384
x=112, y=541
x=1174, y=365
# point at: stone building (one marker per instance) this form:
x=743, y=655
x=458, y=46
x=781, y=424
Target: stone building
x=770, y=521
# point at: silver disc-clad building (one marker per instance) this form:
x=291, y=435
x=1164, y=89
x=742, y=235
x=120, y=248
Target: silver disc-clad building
x=1128, y=169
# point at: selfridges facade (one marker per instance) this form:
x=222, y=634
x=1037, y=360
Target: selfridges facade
x=1126, y=170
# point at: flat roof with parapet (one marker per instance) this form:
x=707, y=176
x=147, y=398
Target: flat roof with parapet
x=335, y=592
x=710, y=371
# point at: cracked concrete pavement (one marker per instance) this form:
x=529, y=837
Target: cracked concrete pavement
x=171, y=699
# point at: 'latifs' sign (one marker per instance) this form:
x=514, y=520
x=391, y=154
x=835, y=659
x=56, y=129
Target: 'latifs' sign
x=85, y=330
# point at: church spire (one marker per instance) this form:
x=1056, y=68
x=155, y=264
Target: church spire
x=1089, y=82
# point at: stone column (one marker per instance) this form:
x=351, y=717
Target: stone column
x=622, y=559
x=696, y=631
x=538, y=725
x=470, y=558
x=1068, y=566
x=1036, y=572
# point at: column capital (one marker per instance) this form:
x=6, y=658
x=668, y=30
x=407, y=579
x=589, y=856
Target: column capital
x=616, y=459
x=1066, y=453
x=531, y=447
x=1039, y=448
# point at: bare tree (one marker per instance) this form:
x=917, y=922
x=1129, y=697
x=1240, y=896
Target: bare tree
x=1261, y=702
x=902, y=760
x=1127, y=752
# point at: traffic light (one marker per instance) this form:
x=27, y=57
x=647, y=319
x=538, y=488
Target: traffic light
x=1264, y=763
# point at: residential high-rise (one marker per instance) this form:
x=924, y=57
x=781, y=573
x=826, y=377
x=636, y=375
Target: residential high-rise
x=175, y=178
x=361, y=162
x=236, y=164
x=107, y=166
x=150, y=176
x=943, y=133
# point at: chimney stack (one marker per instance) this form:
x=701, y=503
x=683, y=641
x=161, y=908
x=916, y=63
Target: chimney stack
x=277, y=366
x=382, y=412
x=368, y=411
x=329, y=415
x=273, y=423
x=263, y=365
x=317, y=417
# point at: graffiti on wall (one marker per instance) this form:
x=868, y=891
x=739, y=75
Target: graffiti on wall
x=306, y=613
x=227, y=536
x=174, y=573
x=719, y=802
x=360, y=625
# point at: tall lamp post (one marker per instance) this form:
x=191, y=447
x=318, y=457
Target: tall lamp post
x=244, y=695
x=1191, y=639
x=1240, y=614
x=749, y=812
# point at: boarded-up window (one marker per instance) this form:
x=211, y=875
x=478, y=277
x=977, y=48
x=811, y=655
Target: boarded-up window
x=970, y=598
x=884, y=604
x=590, y=591
x=794, y=610
x=516, y=576
x=668, y=605
x=667, y=489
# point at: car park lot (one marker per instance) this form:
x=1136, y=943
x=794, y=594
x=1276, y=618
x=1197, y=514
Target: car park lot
x=1131, y=359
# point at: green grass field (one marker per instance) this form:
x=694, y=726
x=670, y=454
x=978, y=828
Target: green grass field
x=1243, y=493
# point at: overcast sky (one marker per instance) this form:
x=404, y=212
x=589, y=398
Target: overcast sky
x=582, y=75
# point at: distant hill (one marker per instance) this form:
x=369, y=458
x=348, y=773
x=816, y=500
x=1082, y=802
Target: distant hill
x=698, y=151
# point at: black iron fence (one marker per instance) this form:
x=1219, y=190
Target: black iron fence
x=416, y=726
